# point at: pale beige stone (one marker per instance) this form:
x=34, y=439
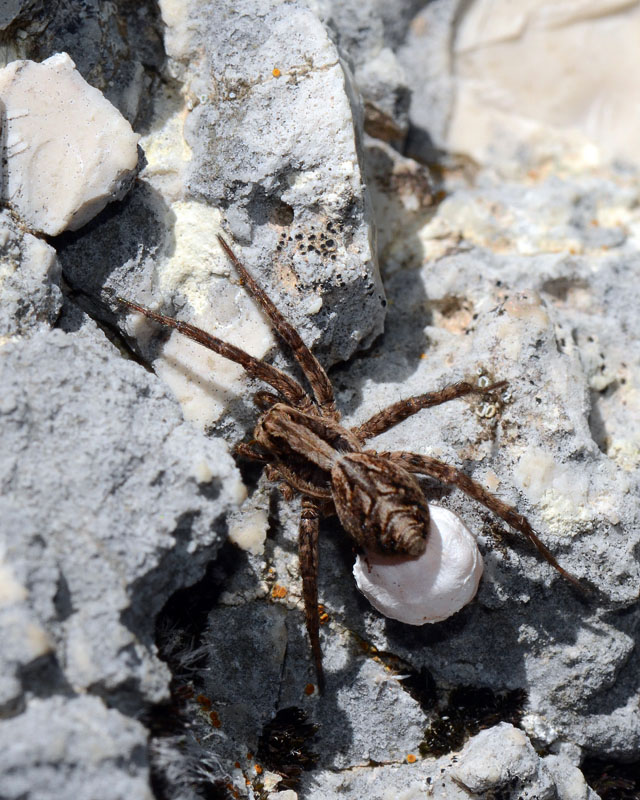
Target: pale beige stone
x=69, y=151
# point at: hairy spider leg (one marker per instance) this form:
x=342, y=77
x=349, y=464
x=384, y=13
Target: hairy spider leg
x=265, y=400
x=308, y=549
x=393, y=414
x=289, y=388
x=294, y=394
x=452, y=476
x=312, y=368
x=243, y=450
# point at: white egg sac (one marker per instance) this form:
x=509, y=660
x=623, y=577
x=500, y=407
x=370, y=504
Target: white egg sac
x=426, y=588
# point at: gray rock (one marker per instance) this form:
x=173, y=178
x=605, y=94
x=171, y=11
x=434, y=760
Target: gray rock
x=499, y=758
x=499, y=761
x=290, y=184
x=117, y=48
x=73, y=747
x=576, y=483
x=425, y=54
x=279, y=154
x=110, y=502
x=570, y=782
x=29, y=287
x=367, y=35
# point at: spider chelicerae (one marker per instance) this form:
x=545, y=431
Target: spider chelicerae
x=306, y=450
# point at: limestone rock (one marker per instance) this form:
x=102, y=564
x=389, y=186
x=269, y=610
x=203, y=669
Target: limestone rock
x=69, y=152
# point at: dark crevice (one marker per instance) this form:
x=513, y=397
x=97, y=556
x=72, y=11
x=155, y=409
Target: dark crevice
x=284, y=746
x=45, y=678
x=464, y=712
x=611, y=780
x=178, y=636
x=62, y=599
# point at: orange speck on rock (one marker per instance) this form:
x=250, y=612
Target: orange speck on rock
x=278, y=591
x=323, y=617
x=215, y=719
x=203, y=700
x=309, y=689
x=236, y=764
x=258, y=769
x=411, y=759
x=276, y=72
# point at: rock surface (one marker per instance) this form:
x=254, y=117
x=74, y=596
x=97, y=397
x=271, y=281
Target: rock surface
x=115, y=511
x=480, y=86
x=73, y=747
x=259, y=125
x=68, y=150
x=29, y=278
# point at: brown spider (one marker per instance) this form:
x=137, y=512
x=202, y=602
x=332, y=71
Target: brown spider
x=305, y=448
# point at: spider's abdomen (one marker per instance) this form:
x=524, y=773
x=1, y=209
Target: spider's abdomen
x=380, y=504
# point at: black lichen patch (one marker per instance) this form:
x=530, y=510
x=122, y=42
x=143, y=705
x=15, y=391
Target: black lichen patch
x=613, y=781
x=467, y=711
x=284, y=746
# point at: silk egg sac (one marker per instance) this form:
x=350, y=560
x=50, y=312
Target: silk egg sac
x=429, y=587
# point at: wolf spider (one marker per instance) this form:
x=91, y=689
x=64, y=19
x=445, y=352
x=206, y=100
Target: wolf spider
x=305, y=449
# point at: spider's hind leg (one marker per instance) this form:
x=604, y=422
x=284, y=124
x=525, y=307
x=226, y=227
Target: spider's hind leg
x=308, y=545
x=451, y=476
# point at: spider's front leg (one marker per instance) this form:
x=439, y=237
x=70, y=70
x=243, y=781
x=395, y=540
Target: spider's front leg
x=286, y=386
x=313, y=370
x=308, y=553
x=451, y=476
x=397, y=412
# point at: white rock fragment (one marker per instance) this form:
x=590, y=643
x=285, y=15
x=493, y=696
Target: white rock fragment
x=69, y=151
x=516, y=84
x=429, y=588
x=495, y=756
x=248, y=530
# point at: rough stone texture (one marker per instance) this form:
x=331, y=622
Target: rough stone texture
x=73, y=747
x=481, y=88
x=497, y=762
x=367, y=35
x=566, y=441
x=29, y=275
x=425, y=54
x=117, y=46
x=109, y=503
x=108, y=507
x=278, y=158
x=563, y=446
x=281, y=156
x=68, y=151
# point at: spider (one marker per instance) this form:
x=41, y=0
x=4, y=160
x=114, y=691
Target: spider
x=306, y=450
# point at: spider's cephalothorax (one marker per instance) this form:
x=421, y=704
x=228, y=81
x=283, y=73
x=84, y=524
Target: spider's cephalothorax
x=306, y=450
x=379, y=503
